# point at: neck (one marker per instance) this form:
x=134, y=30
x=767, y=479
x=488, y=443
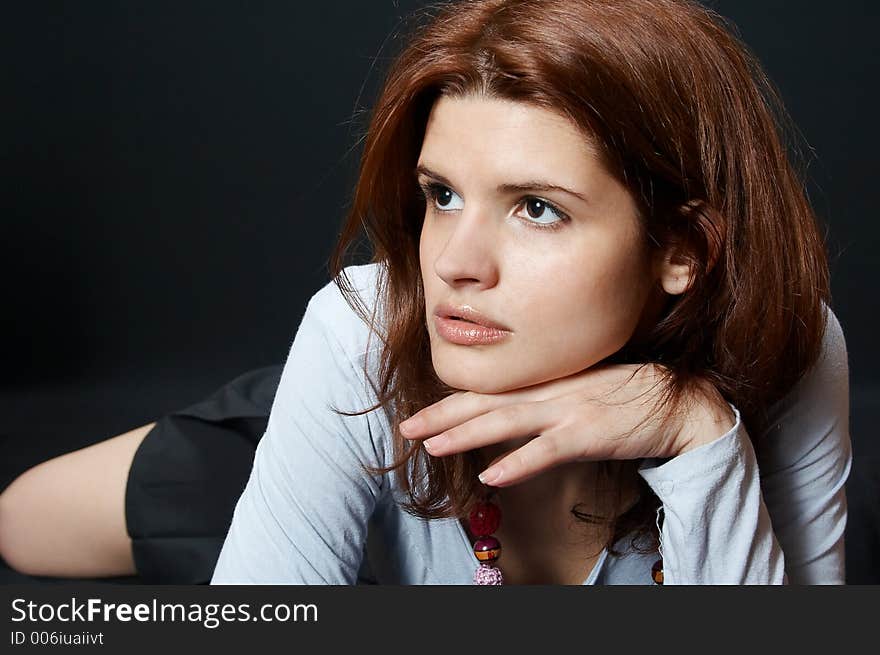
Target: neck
x=542, y=504
x=542, y=541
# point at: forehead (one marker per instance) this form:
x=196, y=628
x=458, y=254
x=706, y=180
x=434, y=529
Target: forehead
x=512, y=137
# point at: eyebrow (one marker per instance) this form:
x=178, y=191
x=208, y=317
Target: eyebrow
x=519, y=187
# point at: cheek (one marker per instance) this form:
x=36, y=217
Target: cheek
x=425, y=257
x=599, y=278
x=428, y=245
x=427, y=241
x=590, y=307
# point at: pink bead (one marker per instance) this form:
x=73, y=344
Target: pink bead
x=486, y=574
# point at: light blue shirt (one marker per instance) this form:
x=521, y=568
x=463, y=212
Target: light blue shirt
x=310, y=515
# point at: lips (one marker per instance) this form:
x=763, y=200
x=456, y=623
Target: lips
x=465, y=326
x=467, y=314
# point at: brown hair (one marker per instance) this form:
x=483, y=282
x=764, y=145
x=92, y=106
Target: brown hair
x=687, y=121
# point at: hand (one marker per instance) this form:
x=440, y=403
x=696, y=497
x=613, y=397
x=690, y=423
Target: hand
x=582, y=417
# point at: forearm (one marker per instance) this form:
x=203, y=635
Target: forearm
x=716, y=528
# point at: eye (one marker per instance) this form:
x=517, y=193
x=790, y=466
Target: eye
x=443, y=198
x=538, y=208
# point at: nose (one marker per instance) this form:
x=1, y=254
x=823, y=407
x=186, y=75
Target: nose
x=470, y=254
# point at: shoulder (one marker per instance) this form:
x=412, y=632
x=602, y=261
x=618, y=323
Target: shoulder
x=824, y=387
x=833, y=363
x=813, y=417
x=331, y=366
x=333, y=311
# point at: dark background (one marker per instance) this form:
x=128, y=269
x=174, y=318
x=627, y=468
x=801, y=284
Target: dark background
x=175, y=174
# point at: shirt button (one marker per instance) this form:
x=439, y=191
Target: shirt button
x=666, y=487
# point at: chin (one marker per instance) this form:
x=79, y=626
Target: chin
x=467, y=383
x=460, y=377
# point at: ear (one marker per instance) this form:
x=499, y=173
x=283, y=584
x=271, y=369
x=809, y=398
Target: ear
x=677, y=267
x=674, y=272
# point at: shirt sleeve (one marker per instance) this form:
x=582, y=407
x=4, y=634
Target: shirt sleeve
x=716, y=527
x=303, y=515
x=778, y=514
x=805, y=457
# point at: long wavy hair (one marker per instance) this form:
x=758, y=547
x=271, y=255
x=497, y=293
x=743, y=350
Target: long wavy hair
x=687, y=121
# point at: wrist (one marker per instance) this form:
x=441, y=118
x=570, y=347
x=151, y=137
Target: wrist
x=708, y=421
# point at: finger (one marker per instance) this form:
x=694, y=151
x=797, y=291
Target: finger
x=540, y=454
x=464, y=405
x=449, y=412
x=521, y=420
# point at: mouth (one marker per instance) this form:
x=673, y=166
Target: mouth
x=463, y=325
x=467, y=315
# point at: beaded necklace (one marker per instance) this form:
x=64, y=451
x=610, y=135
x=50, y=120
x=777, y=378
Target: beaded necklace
x=484, y=520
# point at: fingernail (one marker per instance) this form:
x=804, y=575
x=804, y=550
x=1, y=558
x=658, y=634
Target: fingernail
x=435, y=443
x=490, y=475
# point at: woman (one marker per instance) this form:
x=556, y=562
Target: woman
x=596, y=274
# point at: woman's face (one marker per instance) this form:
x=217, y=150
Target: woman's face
x=566, y=273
